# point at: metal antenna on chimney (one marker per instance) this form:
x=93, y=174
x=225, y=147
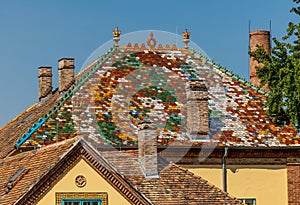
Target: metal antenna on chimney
x=249, y=29
x=270, y=29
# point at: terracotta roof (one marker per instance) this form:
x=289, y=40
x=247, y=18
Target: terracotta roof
x=35, y=165
x=175, y=184
x=14, y=130
x=27, y=176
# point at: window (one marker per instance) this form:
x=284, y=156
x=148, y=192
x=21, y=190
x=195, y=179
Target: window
x=251, y=201
x=81, y=198
x=81, y=202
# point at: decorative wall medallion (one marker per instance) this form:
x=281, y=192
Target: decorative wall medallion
x=80, y=181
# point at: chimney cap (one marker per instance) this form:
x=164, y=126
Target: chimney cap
x=146, y=125
x=40, y=67
x=65, y=59
x=66, y=63
x=197, y=85
x=259, y=32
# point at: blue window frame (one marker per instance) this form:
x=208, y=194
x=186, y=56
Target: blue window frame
x=81, y=201
x=248, y=201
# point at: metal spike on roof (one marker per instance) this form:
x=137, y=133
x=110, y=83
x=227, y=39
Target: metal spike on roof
x=16, y=177
x=17, y=174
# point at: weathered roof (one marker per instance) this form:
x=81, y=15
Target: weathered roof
x=35, y=164
x=175, y=184
x=110, y=97
x=33, y=172
x=18, y=126
x=42, y=168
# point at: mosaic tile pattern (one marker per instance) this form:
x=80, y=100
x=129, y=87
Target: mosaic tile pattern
x=58, y=127
x=134, y=86
x=146, y=102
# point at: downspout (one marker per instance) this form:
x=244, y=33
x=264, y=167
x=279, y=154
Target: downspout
x=224, y=170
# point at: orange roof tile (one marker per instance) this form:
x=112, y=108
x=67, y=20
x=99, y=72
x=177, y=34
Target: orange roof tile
x=42, y=167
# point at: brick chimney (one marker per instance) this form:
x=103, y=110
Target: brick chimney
x=147, y=144
x=45, y=81
x=293, y=180
x=197, y=110
x=65, y=74
x=262, y=38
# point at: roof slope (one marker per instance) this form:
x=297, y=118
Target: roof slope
x=26, y=177
x=45, y=109
x=175, y=185
x=14, y=130
x=40, y=170
x=113, y=94
x=118, y=95
x=35, y=163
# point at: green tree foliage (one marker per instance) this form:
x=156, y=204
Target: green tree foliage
x=281, y=72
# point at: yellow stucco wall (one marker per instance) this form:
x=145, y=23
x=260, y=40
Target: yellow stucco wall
x=268, y=184
x=95, y=183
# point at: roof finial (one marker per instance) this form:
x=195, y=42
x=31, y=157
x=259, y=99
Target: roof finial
x=116, y=34
x=186, y=38
x=151, y=42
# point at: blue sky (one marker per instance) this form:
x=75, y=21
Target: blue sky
x=35, y=33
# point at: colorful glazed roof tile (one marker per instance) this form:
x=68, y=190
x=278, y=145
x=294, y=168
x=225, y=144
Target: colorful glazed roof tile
x=128, y=85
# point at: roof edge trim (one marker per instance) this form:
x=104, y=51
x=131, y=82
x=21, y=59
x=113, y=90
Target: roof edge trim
x=224, y=70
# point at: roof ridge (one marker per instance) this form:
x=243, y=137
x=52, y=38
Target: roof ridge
x=78, y=83
x=110, y=167
x=81, y=149
x=75, y=139
x=61, y=157
x=230, y=73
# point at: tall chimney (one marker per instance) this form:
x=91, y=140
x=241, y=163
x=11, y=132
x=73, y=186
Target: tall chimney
x=147, y=144
x=197, y=110
x=45, y=81
x=262, y=38
x=65, y=74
